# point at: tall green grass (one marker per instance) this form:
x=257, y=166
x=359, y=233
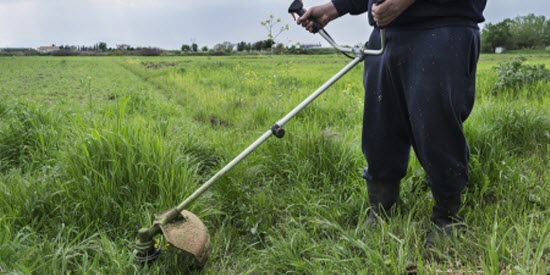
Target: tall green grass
x=77, y=183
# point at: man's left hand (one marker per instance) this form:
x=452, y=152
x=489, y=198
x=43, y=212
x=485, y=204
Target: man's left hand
x=386, y=12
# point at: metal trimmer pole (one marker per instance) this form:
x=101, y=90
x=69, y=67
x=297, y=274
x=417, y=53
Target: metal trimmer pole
x=145, y=243
x=266, y=135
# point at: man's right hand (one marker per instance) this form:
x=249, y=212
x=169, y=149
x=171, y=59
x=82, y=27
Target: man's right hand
x=322, y=14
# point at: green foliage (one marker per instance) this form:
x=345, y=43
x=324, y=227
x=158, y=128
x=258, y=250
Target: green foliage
x=515, y=74
x=185, y=48
x=225, y=47
x=243, y=46
x=522, y=32
x=497, y=35
x=102, y=46
x=530, y=31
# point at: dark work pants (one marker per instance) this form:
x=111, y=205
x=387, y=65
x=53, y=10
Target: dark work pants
x=418, y=93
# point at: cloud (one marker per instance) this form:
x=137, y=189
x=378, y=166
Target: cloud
x=170, y=23
x=497, y=11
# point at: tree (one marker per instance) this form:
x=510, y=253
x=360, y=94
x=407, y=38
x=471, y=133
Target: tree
x=102, y=46
x=279, y=48
x=262, y=45
x=185, y=48
x=204, y=48
x=195, y=47
x=241, y=46
x=546, y=38
x=268, y=43
x=497, y=35
x=224, y=47
x=258, y=46
x=528, y=31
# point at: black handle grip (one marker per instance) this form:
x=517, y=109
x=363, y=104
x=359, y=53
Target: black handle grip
x=297, y=7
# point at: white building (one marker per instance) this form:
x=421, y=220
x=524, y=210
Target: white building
x=48, y=49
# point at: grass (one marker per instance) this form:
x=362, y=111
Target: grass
x=92, y=148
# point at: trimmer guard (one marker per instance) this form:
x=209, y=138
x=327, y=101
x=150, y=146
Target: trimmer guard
x=188, y=233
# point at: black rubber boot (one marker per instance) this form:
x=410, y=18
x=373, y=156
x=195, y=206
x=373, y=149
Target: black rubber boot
x=383, y=196
x=445, y=219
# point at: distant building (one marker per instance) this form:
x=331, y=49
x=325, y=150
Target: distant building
x=123, y=46
x=48, y=49
x=310, y=46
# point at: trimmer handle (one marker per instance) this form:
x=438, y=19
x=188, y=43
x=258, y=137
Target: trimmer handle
x=297, y=7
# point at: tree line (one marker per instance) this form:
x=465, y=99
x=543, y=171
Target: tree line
x=522, y=32
x=228, y=47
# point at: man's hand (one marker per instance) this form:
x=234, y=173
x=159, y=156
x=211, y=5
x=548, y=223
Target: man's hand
x=322, y=14
x=386, y=12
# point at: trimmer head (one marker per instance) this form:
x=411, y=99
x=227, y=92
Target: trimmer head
x=146, y=251
x=147, y=257
x=189, y=234
x=185, y=231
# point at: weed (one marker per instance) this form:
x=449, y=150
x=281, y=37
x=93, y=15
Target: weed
x=514, y=74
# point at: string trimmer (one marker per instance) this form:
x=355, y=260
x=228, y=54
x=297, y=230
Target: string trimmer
x=183, y=229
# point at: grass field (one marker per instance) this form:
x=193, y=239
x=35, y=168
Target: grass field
x=92, y=147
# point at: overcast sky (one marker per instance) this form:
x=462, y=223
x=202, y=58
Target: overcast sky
x=170, y=23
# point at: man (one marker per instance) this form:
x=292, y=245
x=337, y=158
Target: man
x=417, y=93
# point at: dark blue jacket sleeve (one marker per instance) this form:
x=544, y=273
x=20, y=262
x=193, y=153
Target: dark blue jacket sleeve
x=350, y=6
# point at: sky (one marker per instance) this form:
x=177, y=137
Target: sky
x=170, y=23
